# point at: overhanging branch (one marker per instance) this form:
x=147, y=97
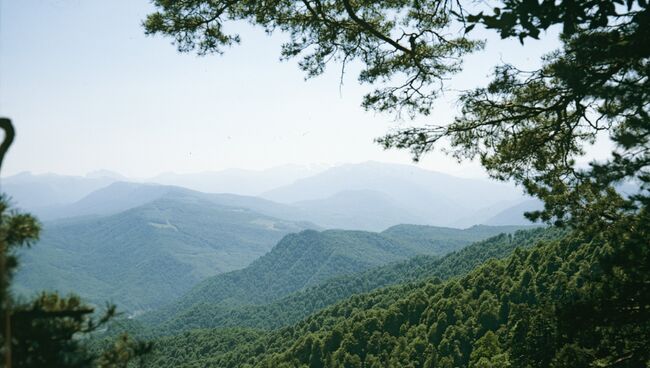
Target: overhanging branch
x=368, y=27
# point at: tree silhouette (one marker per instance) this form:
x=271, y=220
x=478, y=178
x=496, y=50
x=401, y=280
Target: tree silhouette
x=45, y=332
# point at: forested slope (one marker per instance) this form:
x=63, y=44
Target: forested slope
x=148, y=255
x=521, y=311
x=308, y=258
x=296, y=306
x=445, y=239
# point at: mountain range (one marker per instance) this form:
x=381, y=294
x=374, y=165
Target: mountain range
x=368, y=196
x=192, y=338
x=109, y=239
x=147, y=255
x=279, y=279
x=310, y=257
x=38, y=192
x=411, y=193
x=238, y=181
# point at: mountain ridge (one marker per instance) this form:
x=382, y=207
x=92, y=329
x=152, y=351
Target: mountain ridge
x=189, y=237
x=310, y=257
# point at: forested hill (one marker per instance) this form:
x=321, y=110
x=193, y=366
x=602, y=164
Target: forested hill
x=521, y=311
x=310, y=257
x=296, y=306
x=442, y=240
x=148, y=255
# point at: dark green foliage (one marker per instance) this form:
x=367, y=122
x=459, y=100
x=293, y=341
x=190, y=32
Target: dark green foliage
x=45, y=331
x=509, y=312
x=296, y=306
x=532, y=126
x=302, y=260
x=181, y=350
x=119, y=258
x=324, y=31
x=443, y=240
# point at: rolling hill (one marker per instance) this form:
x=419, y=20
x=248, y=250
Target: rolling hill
x=298, y=305
x=308, y=258
x=150, y=254
x=529, y=309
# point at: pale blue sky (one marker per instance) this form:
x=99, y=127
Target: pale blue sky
x=87, y=90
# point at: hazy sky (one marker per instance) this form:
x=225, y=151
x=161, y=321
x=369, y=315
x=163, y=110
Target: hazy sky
x=87, y=90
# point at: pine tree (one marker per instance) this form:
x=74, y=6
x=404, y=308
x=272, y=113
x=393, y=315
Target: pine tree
x=46, y=331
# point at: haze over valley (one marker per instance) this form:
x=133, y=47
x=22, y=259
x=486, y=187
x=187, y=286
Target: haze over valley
x=142, y=243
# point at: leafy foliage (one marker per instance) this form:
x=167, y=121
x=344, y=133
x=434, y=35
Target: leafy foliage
x=532, y=126
x=179, y=350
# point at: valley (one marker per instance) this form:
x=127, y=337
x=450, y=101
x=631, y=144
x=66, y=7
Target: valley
x=143, y=245
x=224, y=279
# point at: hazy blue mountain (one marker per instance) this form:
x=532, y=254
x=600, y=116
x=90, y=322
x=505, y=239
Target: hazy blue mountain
x=121, y=196
x=37, y=192
x=370, y=196
x=358, y=209
x=481, y=215
x=52, y=196
x=515, y=215
x=363, y=210
x=238, y=181
x=433, y=198
x=150, y=254
x=308, y=258
x=114, y=198
x=106, y=174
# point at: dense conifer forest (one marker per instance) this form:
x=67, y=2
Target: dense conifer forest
x=286, y=310
x=533, y=308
